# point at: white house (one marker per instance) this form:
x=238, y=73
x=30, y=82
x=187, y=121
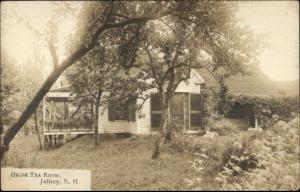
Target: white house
x=185, y=109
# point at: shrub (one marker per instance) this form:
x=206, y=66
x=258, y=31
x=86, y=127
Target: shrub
x=221, y=125
x=266, y=108
x=208, y=104
x=272, y=165
x=181, y=141
x=256, y=160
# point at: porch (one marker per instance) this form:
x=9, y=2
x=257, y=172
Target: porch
x=185, y=111
x=59, y=115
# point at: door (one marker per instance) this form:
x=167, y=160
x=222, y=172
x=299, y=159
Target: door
x=176, y=110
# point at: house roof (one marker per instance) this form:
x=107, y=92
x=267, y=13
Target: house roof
x=290, y=88
x=66, y=88
x=256, y=83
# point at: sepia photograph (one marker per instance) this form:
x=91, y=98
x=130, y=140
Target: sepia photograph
x=149, y=95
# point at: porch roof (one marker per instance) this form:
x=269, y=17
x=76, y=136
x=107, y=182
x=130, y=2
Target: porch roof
x=60, y=94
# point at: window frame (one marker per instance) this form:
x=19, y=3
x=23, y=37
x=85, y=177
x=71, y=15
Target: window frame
x=237, y=111
x=194, y=111
x=152, y=112
x=158, y=112
x=112, y=115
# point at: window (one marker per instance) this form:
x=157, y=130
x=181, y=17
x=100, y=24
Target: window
x=155, y=111
x=176, y=110
x=119, y=111
x=195, y=112
x=237, y=112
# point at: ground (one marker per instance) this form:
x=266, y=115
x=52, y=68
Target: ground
x=116, y=164
x=239, y=160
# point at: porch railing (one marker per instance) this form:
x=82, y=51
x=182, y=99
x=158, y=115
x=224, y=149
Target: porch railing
x=68, y=125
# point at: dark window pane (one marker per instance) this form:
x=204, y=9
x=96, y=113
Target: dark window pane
x=131, y=109
x=237, y=111
x=177, y=104
x=155, y=104
x=121, y=115
x=195, y=119
x=121, y=111
x=111, y=112
x=155, y=120
x=177, y=119
x=195, y=102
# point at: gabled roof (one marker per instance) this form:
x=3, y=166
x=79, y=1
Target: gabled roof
x=66, y=88
x=290, y=88
x=256, y=83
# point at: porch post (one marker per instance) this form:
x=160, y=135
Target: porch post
x=54, y=111
x=183, y=110
x=189, y=112
x=255, y=120
x=44, y=126
x=44, y=115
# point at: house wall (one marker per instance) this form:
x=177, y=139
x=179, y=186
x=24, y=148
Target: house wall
x=142, y=125
x=240, y=123
x=143, y=118
x=117, y=126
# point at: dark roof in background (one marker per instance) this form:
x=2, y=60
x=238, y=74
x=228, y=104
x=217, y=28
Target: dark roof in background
x=288, y=87
x=256, y=83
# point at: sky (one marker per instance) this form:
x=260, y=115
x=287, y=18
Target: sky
x=278, y=19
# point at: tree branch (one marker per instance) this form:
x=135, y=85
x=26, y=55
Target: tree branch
x=53, y=53
x=152, y=67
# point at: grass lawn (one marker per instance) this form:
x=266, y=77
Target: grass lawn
x=116, y=164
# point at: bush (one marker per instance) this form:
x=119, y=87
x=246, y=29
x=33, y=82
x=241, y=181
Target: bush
x=221, y=126
x=265, y=161
x=266, y=108
x=256, y=160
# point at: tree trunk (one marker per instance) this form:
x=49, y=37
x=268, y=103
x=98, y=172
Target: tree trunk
x=164, y=129
x=37, y=131
x=96, y=128
x=34, y=103
x=96, y=119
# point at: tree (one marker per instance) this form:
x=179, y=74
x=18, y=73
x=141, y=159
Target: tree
x=108, y=16
x=9, y=88
x=92, y=76
x=170, y=60
x=31, y=83
x=100, y=76
x=97, y=18
x=204, y=35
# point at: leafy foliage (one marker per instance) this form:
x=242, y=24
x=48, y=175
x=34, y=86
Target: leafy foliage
x=208, y=106
x=9, y=87
x=269, y=109
x=221, y=126
x=255, y=160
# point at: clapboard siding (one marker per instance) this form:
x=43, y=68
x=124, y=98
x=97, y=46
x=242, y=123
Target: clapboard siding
x=143, y=120
x=142, y=125
x=117, y=126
